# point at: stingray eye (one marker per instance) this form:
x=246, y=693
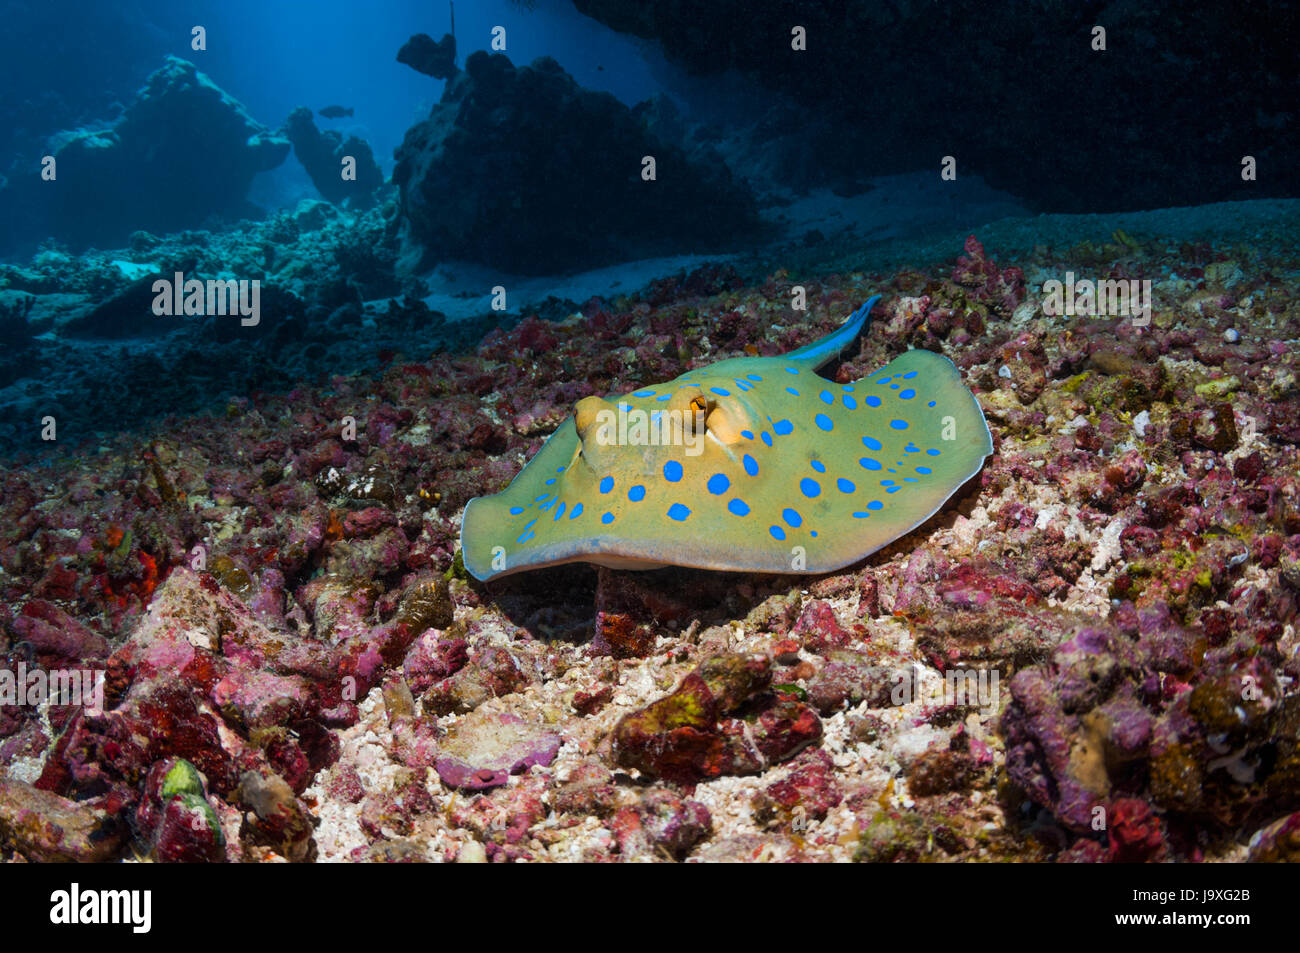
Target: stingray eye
x=693, y=406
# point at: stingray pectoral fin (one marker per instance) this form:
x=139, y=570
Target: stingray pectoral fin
x=476, y=529
x=494, y=529
x=946, y=443
x=834, y=344
x=963, y=429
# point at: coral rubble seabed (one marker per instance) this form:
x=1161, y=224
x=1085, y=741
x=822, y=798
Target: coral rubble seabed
x=296, y=665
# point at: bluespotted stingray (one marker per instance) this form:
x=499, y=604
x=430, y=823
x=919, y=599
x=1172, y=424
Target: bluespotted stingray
x=751, y=464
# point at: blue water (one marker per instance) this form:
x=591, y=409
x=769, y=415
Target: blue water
x=824, y=160
x=276, y=55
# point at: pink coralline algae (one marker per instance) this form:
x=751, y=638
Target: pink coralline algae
x=808, y=792
x=1001, y=289
x=720, y=720
x=56, y=638
x=295, y=665
x=663, y=822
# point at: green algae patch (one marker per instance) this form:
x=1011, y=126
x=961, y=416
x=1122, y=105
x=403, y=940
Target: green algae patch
x=1219, y=387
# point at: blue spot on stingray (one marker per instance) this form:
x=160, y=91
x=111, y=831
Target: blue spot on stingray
x=754, y=377
x=607, y=518
x=663, y=397
x=643, y=393
x=886, y=482
x=909, y=375
x=792, y=370
x=606, y=484
x=932, y=452
x=538, y=499
x=560, y=470
x=892, y=489
x=907, y=394
x=783, y=428
x=912, y=448
x=871, y=400
x=813, y=532
x=547, y=505
x=527, y=532
x=573, y=513
x=750, y=464
x=911, y=480
x=718, y=484
x=810, y=487
x=767, y=438
x=624, y=405
x=720, y=392
x=550, y=480
x=898, y=424
x=741, y=384
x=792, y=517
x=848, y=388
x=777, y=532
x=924, y=470
x=860, y=516
x=636, y=494
x=871, y=443
x=893, y=387
x=747, y=434
x=791, y=390
x=849, y=402
x=869, y=463
x=933, y=404
x=739, y=507
x=818, y=466
x=824, y=422
x=672, y=471
x=678, y=512
x=827, y=397
x=846, y=486
x=875, y=505
x=559, y=511
x=516, y=510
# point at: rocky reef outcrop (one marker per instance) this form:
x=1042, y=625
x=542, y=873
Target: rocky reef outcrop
x=424, y=54
x=184, y=151
x=1007, y=90
x=323, y=155
x=522, y=169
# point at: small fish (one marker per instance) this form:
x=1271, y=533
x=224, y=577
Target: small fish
x=753, y=464
x=334, y=112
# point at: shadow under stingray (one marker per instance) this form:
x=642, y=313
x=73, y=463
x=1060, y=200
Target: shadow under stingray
x=563, y=602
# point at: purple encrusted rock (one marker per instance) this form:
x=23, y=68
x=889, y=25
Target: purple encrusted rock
x=1279, y=842
x=484, y=749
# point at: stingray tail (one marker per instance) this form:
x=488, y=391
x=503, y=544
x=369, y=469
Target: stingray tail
x=833, y=345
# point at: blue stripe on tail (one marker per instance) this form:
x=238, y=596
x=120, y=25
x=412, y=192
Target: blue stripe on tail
x=831, y=346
